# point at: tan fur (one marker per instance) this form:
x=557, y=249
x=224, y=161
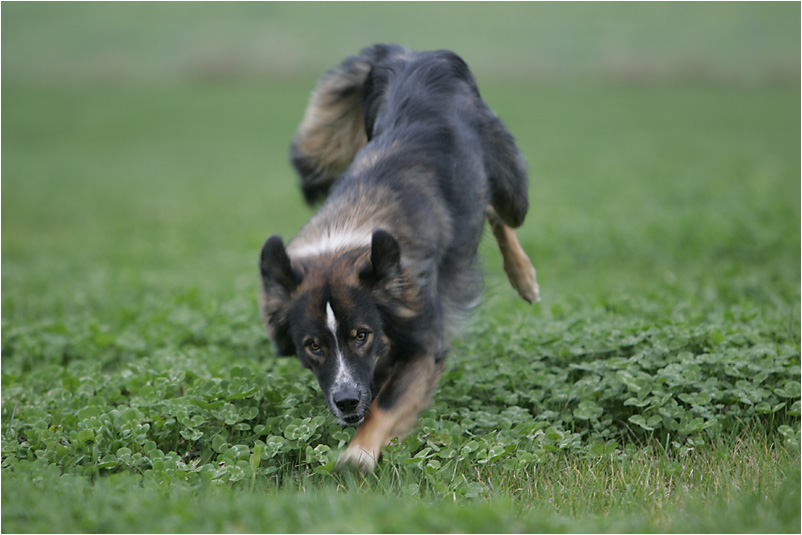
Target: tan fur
x=342, y=268
x=343, y=226
x=269, y=306
x=419, y=380
x=517, y=265
x=371, y=156
x=332, y=130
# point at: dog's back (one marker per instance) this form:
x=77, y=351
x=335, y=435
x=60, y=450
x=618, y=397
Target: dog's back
x=437, y=157
x=344, y=113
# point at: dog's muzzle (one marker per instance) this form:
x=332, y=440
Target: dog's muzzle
x=346, y=404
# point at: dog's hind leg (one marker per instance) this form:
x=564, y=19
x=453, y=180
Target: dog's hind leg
x=509, y=202
x=517, y=265
x=394, y=411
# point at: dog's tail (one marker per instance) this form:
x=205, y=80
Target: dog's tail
x=333, y=127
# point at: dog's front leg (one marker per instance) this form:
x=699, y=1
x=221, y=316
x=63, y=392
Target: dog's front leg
x=394, y=411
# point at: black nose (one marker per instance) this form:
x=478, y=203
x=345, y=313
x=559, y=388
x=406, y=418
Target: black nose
x=346, y=400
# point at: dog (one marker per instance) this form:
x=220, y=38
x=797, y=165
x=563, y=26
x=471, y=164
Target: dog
x=410, y=161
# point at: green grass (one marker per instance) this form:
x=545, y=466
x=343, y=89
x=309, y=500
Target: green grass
x=655, y=389
x=710, y=492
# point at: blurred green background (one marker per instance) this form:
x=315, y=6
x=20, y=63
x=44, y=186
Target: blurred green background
x=145, y=144
x=171, y=42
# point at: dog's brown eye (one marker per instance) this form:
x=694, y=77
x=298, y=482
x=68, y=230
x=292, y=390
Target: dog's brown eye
x=314, y=347
x=360, y=337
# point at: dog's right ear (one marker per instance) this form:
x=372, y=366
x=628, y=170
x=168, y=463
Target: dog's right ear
x=279, y=280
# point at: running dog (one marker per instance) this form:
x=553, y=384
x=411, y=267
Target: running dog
x=410, y=161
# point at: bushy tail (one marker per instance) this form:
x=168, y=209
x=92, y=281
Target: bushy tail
x=333, y=129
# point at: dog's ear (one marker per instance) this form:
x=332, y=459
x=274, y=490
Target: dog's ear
x=279, y=280
x=385, y=260
x=275, y=266
x=392, y=286
x=385, y=255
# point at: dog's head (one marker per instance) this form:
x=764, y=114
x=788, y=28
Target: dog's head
x=331, y=312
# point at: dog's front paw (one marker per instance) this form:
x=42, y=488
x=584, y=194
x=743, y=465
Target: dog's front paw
x=359, y=457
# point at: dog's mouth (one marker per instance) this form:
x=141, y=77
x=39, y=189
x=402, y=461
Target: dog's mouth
x=351, y=413
x=353, y=419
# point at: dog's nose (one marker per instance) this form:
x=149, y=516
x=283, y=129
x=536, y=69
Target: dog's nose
x=346, y=400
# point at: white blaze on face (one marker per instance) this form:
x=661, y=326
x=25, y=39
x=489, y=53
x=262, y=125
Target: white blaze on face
x=331, y=321
x=342, y=375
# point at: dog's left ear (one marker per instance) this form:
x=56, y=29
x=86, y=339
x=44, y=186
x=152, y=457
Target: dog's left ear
x=385, y=259
x=391, y=285
x=385, y=255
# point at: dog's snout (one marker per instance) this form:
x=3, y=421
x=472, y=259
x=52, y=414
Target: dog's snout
x=347, y=399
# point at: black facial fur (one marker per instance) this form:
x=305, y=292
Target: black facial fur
x=343, y=362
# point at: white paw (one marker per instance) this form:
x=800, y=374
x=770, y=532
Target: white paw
x=358, y=457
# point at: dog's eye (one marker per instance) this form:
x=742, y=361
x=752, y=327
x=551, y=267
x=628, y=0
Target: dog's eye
x=314, y=347
x=360, y=337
